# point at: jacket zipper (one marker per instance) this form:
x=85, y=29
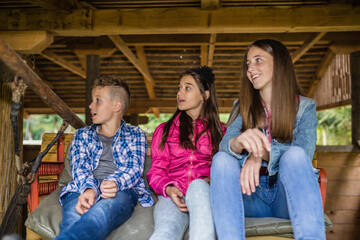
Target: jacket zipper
x=191, y=158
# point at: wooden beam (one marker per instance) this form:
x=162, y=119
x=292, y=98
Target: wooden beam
x=320, y=73
x=306, y=46
x=211, y=49
x=121, y=45
x=17, y=65
x=204, y=54
x=31, y=64
x=142, y=59
x=355, y=98
x=48, y=54
x=58, y=5
x=210, y=4
x=81, y=22
x=28, y=42
x=149, y=87
x=345, y=47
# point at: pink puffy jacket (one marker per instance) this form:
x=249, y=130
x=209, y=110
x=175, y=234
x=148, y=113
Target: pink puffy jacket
x=175, y=165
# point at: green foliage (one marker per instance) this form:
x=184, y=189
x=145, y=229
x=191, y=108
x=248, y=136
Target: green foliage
x=153, y=122
x=37, y=124
x=334, y=126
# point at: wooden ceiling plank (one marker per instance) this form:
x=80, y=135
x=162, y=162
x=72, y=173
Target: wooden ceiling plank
x=211, y=49
x=27, y=42
x=309, y=43
x=85, y=22
x=63, y=63
x=121, y=45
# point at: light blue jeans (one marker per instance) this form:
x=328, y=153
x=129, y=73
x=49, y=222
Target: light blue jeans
x=291, y=194
x=171, y=223
x=99, y=221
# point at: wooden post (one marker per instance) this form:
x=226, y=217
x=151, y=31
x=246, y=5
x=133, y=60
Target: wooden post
x=134, y=119
x=92, y=72
x=355, y=97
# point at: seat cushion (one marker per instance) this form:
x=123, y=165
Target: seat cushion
x=46, y=218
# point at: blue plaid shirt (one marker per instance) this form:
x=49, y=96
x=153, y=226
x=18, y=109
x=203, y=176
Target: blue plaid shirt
x=129, y=151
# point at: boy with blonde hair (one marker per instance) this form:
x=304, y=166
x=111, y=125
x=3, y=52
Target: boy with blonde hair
x=107, y=163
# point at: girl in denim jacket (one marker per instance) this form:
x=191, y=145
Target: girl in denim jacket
x=264, y=165
x=181, y=151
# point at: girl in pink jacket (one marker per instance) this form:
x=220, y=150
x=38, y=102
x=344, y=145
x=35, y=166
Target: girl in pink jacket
x=181, y=151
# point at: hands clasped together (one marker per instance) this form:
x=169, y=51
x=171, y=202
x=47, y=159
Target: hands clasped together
x=87, y=199
x=257, y=144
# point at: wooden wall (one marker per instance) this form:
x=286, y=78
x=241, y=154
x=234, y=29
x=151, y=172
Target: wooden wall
x=343, y=193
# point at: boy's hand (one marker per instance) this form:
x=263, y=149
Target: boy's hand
x=108, y=189
x=85, y=201
x=177, y=196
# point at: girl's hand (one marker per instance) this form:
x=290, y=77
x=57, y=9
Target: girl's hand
x=249, y=177
x=253, y=140
x=177, y=196
x=108, y=189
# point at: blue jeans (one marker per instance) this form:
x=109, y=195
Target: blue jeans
x=291, y=194
x=100, y=220
x=171, y=223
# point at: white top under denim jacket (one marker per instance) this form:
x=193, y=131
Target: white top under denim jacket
x=304, y=136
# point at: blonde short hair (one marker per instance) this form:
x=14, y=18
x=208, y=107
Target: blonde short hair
x=119, y=89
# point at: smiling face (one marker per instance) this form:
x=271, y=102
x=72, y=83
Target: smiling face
x=260, y=69
x=101, y=107
x=189, y=97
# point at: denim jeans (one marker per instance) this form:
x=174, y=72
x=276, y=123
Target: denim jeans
x=292, y=194
x=171, y=223
x=100, y=220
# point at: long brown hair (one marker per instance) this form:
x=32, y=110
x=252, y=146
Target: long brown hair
x=285, y=90
x=204, y=79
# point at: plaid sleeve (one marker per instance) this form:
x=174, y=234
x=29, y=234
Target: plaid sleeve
x=130, y=155
x=81, y=168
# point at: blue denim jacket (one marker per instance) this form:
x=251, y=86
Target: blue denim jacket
x=304, y=136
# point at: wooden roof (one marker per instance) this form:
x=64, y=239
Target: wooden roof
x=150, y=43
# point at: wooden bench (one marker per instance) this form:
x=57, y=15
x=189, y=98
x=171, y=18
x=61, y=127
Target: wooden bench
x=45, y=220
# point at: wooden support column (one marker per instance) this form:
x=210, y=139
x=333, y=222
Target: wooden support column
x=134, y=119
x=92, y=72
x=355, y=97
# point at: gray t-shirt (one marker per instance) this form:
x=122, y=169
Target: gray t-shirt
x=106, y=165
